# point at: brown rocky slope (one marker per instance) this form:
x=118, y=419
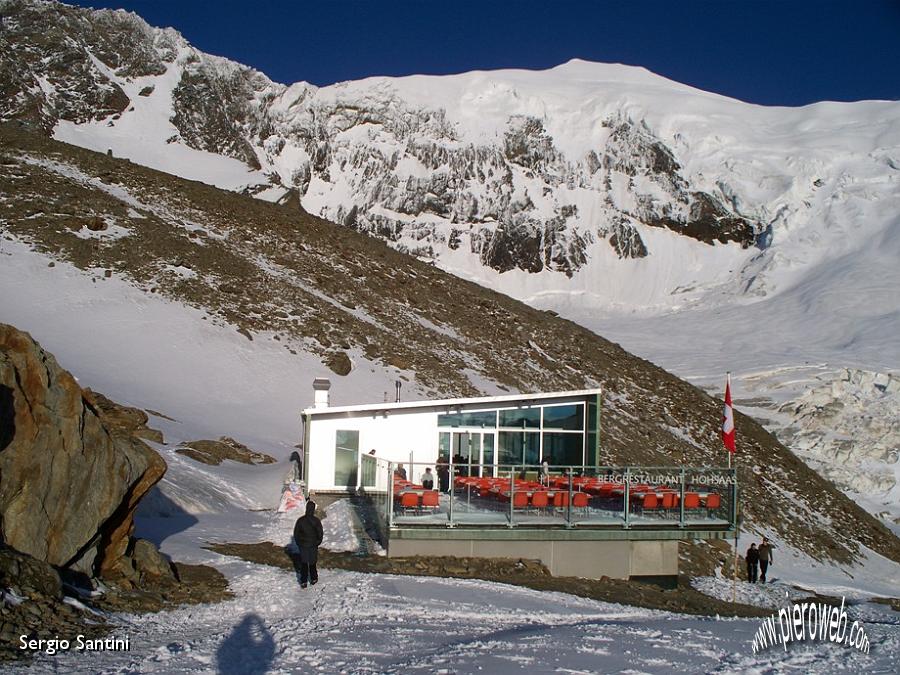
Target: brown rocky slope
x=328, y=291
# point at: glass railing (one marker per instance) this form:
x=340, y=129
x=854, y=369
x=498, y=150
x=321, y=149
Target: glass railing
x=450, y=495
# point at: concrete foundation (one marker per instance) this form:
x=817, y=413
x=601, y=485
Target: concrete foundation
x=570, y=556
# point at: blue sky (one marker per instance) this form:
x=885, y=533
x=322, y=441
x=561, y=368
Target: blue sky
x=774, y=52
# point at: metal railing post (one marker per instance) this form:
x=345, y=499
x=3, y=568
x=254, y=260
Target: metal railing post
x=627, y=497
x=450, y=487
x=569, y=504
x=681, y=501
x=390, y=495
x=512, y=495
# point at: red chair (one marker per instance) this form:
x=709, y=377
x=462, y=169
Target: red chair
x=540, y=500
x=520, y=500
x=691, y=500
x=650, y=501
x=669, y=501
x=560, y=499
x=430, y=500
x=713, y=502
x=409, y=501
x=580, y=501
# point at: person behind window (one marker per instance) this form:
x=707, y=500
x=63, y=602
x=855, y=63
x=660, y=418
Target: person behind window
x=400, y=472
x=443, y=473
x=427, y=479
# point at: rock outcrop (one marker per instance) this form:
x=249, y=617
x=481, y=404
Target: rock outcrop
x=32, y=604
x=69, y=481
x=215, y=452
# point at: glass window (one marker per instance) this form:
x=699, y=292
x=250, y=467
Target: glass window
x=444, y=444
x=489, y=449
x=519, y=447
x=532, y=449
x=563, y=449
x=346, y=458
x=481, y=418
x=521, y=418
x=592, y=414
x=564, y=417
x=593, y=457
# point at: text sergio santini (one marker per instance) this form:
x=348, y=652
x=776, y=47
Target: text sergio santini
x=81, y=644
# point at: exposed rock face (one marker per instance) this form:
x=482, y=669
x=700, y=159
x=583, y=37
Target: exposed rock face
x=69, y=483
x=128, y=420
x=63, y=79
x=215, y=452
x=407, y=172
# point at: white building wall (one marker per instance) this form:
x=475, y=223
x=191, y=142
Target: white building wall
x=394, y=438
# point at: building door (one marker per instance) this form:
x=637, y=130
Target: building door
x=346, y=459
x=470, y=450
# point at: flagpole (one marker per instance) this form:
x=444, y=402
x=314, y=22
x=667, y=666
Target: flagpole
x=728, y=388
x=737, y=526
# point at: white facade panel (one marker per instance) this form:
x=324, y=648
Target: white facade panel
x=396, y=437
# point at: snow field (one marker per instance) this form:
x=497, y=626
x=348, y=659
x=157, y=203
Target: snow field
x=359, y=623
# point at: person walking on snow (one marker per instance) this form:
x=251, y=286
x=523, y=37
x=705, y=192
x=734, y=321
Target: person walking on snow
x=765, y=559
x=752, y=558
x=308, y=536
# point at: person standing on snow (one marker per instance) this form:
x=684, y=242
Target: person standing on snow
x=308, y=536
x=752, y=558
x=765, y=559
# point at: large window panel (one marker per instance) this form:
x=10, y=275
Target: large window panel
x=480, y=418
x=527, y=418
x=519, y=447
x=563, y=449
x=570, y=417
x=346, y=458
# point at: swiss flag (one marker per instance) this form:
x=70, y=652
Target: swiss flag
x=728, y=418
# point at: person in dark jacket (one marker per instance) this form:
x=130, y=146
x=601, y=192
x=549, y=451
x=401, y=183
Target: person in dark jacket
x=765, y=559
x=443, y=474
x=308, y=536
x=752, y=563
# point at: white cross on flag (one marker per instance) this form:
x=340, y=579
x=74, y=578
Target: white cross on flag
x=728, y=418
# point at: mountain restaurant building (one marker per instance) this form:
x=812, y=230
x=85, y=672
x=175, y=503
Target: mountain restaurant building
x=482, y=434
x=517, y=476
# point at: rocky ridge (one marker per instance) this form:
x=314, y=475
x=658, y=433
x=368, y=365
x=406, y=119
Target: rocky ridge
x=401, y=171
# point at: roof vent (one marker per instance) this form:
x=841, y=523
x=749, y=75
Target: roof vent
x=321, y=385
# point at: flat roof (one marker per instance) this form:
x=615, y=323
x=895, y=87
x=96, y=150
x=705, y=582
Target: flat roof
x=452, y=402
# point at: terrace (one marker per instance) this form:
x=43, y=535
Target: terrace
x=617, y=498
